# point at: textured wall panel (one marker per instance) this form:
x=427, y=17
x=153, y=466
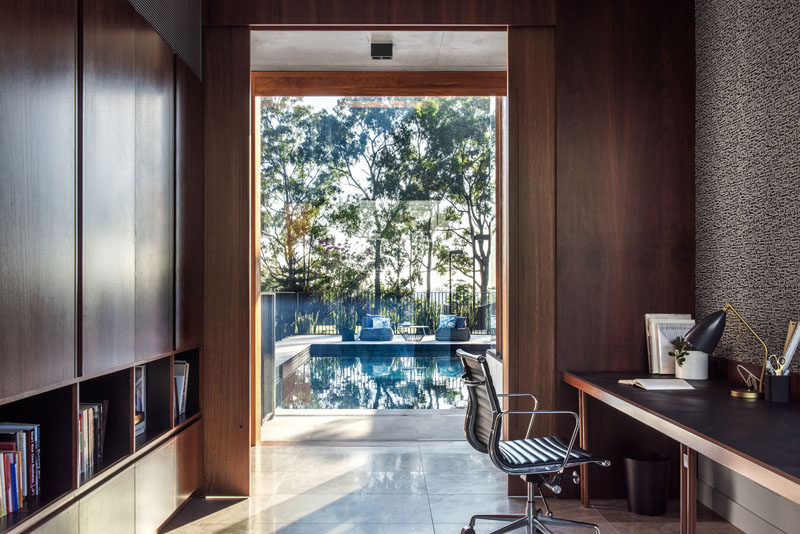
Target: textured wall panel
x=179, y=24
x=748, y=168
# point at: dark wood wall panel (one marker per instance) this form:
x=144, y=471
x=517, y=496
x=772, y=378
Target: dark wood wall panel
x=625, y=205
x=529, y=339
x=37, y=193
x=109, y=52
x=377, y=12
x=188, y=208
x=155, y=184
x=226, y=353
x=625, y=176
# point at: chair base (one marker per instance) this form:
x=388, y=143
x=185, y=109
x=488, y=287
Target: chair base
x=535, y=519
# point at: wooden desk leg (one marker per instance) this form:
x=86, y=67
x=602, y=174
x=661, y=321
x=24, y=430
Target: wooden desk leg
x=584, y=444
x=688, y=490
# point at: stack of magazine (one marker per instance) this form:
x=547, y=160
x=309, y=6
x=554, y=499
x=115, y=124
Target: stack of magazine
x=92, y=417
x=660, y=330
x=20, y=475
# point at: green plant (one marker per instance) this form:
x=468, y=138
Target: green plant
x=345, y=319
x=305, y=323
x=682, y=348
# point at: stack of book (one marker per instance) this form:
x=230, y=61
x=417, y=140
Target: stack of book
x=92, y=418
x=660, y=330
x=181, y=387
x=19, y=472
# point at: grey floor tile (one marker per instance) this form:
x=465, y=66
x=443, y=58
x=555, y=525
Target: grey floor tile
x=218, y=512
x=317, y=528
x=339, y=462
x=466, y=482
x=445, y=463
x=266, y=482
x=353, y=482
x=271, y=462
x=487, y=527
x=385, y=509
x=459, y=508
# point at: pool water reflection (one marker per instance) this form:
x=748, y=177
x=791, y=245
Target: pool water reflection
x=373, y=382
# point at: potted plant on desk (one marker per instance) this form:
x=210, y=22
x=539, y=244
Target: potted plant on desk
x=345, y=321
x=690, y=363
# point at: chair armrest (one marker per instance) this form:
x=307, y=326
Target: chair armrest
x=543, y=412
x=535, y=407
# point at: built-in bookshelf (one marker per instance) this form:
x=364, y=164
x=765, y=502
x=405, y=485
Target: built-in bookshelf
x=57, y=412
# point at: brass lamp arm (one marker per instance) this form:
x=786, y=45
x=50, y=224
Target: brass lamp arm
x=729, y=306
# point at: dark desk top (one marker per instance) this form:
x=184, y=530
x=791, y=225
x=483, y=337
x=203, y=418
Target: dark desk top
x=756, y=438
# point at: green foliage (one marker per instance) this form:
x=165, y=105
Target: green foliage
x=345, y=319
x=305, y=323
x=427, y=313
x=682, y=348
x=403, y=183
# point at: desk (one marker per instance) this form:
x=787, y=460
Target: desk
x=761, y=441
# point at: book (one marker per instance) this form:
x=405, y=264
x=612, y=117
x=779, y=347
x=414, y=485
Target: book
x=653, y=361
x=181, y=385
x=657, y=384
x=662, y=332
x=23, y=438
x=140, y=399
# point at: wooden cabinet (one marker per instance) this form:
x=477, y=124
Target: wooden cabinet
x=156, y=487
x=154, y=202
x=189, y=208
x=37, y=193
x=111, y=507
x=189, y=461
x=108, y=226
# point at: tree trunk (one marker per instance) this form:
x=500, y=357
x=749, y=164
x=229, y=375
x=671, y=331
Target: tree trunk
x=377, y=276
x=429, y=235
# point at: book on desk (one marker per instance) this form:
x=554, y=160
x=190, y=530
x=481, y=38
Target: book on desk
x=657, y=384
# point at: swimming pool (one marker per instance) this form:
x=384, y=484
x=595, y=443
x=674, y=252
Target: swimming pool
x=376, y=377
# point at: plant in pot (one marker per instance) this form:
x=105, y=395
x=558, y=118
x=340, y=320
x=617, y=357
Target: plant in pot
x=690, y=363
x=346, y=320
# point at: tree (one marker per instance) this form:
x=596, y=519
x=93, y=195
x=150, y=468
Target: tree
x=295, y=188
x=463, y=140
x=364, y=154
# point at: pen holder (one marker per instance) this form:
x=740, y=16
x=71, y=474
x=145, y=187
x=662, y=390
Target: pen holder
x=776, y=388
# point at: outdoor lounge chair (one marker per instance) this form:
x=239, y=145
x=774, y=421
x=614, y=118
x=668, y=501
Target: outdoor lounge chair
x=373, y=333
x=459, y=332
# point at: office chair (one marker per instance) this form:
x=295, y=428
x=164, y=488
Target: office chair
x=540, y=461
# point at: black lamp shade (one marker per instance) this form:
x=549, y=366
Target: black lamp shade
x=706, y=334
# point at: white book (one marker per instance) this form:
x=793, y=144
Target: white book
x=655, y=364
x=658, y=384
x=665, y=331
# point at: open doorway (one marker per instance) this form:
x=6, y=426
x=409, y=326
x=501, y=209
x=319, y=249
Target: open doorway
x=377, y=229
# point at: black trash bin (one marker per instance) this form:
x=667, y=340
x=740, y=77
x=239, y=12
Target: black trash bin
x=647, y=478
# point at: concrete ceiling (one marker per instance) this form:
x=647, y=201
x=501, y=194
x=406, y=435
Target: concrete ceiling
x=350, y=50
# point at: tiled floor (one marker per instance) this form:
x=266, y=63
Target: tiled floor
x=390, y=488
x=357, y=428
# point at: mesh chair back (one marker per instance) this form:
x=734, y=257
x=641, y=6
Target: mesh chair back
x=483, y=406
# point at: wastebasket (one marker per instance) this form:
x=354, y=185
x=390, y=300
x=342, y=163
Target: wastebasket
x=647, y=478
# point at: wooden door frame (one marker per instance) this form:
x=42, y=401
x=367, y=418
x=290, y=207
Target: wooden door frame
x=337, y=83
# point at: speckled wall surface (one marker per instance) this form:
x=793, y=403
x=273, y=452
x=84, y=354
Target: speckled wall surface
x=179, y=22
x=748, y=168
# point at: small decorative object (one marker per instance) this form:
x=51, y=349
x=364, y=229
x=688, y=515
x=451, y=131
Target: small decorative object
x=413, y=333
x=691, y=364
x=707, y=333
x=140, y=399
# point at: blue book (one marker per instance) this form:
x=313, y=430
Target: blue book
x=14, y=487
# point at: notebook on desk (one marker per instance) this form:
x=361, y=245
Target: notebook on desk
x=657, y=384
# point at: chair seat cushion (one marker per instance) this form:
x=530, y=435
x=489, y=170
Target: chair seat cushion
x=541, y=454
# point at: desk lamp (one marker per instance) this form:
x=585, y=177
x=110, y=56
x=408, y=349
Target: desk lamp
x=706, y=334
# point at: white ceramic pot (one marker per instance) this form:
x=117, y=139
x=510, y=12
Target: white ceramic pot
x=695, y=366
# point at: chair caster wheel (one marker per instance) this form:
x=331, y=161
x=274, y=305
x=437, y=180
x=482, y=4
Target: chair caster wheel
x=550, y=515
x=467, y=530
